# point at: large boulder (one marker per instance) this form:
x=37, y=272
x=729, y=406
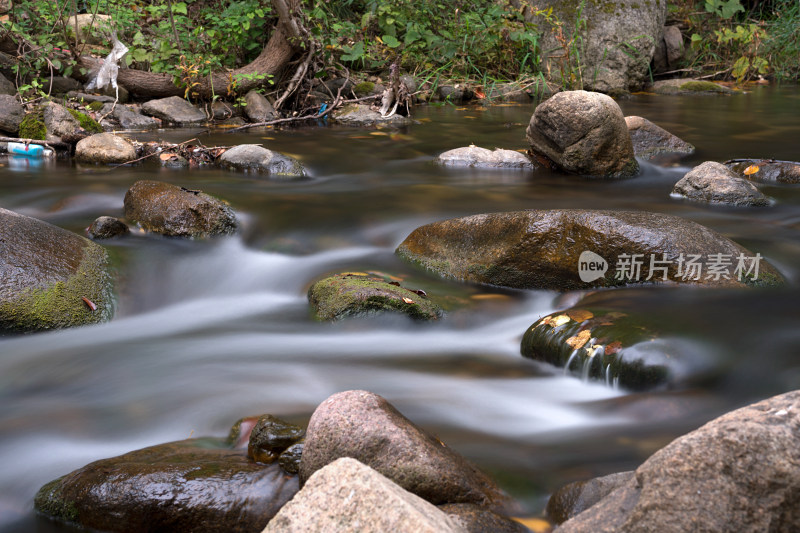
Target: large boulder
x=739, y=472
x=364, y=426
x=177, y=211
x=714, y=183
x=90, y=27
x=258, y=108
x=49, y=277
x=605, y=45
x=7, y=86
x=348, y=496
x=765, y=170
x=583, y=133
x=567, y=249
x=669, y=50
x=259, y=160
x=105, y=149
x=174, y=110
x=193, y=486
x=11, y=114
x=654, y=142
x=476, y=519
x=477, y=157
x=362, y=115
x=356, y=295
x=571, y=500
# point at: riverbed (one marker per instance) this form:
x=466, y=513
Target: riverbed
x=208, y=332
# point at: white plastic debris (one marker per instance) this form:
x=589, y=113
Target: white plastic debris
x=107, y=75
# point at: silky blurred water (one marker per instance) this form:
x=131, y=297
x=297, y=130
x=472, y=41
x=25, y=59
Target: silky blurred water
x=208, y=332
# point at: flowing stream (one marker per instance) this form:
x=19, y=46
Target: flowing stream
x=208, y=332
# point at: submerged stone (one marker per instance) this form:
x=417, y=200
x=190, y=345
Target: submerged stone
x=105, y=149
x=475, y=156
x=49, y=277
x=107, y=228
x=260, y=160
x=193, y=486
x=714, y=183
x=355, y=294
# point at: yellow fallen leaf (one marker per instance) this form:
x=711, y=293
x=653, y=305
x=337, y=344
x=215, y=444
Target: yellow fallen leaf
x=752, y=169
x=408, y=300
x=354, y=273
x=579, y=340
x=166, y=156
x=555, y=321
x=579, y=315
x=537, y=525
x=377, y=133
x=489, y=297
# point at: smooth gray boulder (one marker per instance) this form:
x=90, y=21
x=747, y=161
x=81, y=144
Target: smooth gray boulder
x=60, y=122
x=566, y=249
x=104, y=149
x=583, y=133
x=50, y=278
x=129, y=118
x=654, y=142
x=364, y=426
x=669, y=50
x=107, y=228
x=258, y=108
x=739, y=472
x=477, y=157
x=603, y=45
x=259, y=160
x=11, y=114
x=347, y=496
x=574, y=498
x=177, y=211
x=714, y=183
x=174, y=110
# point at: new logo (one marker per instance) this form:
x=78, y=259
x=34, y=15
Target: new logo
x=591, y=266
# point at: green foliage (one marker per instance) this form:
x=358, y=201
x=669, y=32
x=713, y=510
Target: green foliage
x=782, y=46
x=466, y=37
x=86, y=122
x=724, y=8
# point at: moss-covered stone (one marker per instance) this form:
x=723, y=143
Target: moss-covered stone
x=86, y=122
x=32, y=126
x=355, y=294
x=36, y=296
x=50, y=501
x=703, y=86
x=95, y=106
x=364, y=88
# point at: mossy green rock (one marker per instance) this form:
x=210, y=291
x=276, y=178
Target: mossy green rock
x=32, y=126
x=542, y=249
x=691, y=87
x=353, y=295
x=177, y=211
x=45, y=274
x=193, y=485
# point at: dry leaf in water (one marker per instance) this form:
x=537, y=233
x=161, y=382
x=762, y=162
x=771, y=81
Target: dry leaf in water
x=580, y=339
x=613, y=347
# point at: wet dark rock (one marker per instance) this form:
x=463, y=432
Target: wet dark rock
x=458, y=94
x=239, y=434
x=571, y=500
x=259, y=160
x=476, y=519
x=766, y=170
x=175, y=161
x=410, y=83
x=129, y=118
x=583, y=133
x=475, y=156
x=363, y=115
x=542, y=249
x=45, y=274
x=270, y=437
x=739, y=472
x=223, y=110
x=7, y=87
x=349, y=496
x=107, y=228
x=177, y=211
x=11, y=114
x=354, y=295
x=290, y=458
x=89, y=98
x=60, y=122
x=714, y=183
x=651, y=141
x=603, y=344
x=174, y=110
x=189, y=486
x=104, y=149
x=687, y=87
x=364, y=426
x=669, y=50
x=258, y=108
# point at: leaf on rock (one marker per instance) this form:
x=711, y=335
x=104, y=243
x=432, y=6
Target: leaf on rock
x=408, y=300
x=580, y=339
x=579, y=315
x=752, y=169
x=613, y=347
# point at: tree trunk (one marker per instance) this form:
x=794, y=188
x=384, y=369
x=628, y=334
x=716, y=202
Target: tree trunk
x=286, y=40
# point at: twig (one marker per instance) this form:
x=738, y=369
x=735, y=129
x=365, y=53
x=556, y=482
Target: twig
x=49, y=144
x=715, y=74
x=333, y=106
x=298, y=75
